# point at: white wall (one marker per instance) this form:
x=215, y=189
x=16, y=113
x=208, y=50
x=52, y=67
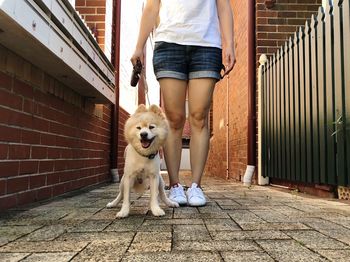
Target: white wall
x=72, y=2
x=153, y=85
x=185, y=160
x=108, y=29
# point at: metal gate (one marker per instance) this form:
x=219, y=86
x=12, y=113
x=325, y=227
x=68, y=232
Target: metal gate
x=306, y=102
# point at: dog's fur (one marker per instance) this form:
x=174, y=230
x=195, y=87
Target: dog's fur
x=145, y=131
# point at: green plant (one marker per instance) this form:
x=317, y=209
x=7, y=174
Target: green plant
x=338, y=124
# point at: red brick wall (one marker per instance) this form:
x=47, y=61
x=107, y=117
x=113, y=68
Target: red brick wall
x=273, y=27
x=186, y=133
x=123, y=116
x=94, y=13
x=276, y=25
x=238, y=107
x=52, y=140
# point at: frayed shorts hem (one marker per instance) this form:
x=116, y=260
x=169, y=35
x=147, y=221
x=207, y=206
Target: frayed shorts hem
x=191, y=75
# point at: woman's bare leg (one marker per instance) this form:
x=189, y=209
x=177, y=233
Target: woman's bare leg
x=200, y=92
x=174, y=97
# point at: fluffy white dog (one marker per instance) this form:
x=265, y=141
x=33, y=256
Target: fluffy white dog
x=145, y=131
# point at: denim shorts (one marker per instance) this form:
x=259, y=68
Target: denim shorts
x=186, y=62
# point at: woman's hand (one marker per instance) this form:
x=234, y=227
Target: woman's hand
x=226, y=27
x=228, y=58
x=148, y=21
x=138, y=55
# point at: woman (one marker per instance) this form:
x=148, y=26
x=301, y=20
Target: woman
x=192, y=41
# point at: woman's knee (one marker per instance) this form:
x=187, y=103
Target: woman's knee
x=198, y=120
x=176, y=120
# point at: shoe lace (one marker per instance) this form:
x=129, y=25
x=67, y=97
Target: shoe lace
x=197, y=191
x=177, y=191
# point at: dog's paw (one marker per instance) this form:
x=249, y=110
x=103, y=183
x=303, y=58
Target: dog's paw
x=158, y=212
x=172, y=204
x=122, y=213
x=110, y=205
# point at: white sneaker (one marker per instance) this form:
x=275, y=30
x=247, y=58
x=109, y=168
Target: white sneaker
x=195, y=196
x=177, y=194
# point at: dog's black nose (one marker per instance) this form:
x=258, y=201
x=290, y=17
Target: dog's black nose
x=144, y=135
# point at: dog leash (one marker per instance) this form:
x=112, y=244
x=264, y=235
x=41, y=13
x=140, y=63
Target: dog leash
x=137, y=73
x=143, y=75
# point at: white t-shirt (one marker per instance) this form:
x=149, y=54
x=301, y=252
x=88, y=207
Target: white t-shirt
x=189, y=22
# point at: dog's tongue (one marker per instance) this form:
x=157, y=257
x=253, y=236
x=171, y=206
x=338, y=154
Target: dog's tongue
x=145, y=143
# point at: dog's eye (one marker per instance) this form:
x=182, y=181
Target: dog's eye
x=152, y=126
x=138, y=127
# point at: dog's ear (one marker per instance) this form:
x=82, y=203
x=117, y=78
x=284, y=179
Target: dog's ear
x=142, y=108
x=156, y=109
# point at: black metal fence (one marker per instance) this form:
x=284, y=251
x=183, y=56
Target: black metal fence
x=306, y=102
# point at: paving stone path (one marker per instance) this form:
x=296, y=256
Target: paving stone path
x=237, y=224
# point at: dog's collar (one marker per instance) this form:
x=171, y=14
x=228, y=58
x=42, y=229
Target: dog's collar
x=151, y=156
